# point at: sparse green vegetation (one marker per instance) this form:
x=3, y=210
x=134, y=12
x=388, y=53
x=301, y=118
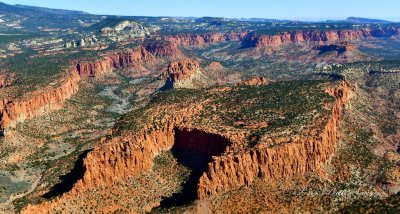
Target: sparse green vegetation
x=282, y=106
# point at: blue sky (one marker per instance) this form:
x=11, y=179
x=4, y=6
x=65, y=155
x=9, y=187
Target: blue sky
x=281, y=9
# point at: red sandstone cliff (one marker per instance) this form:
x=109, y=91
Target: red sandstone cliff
x=164, y=49
x=321, y=37
x=180, y=70
x=253, y=40
x=114, y=60
x=127, y=58
x=202, y=39
x=132, y=153
x=278, y=162
x=14, y=110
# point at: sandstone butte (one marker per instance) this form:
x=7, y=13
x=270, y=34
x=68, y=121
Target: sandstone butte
x=180, y=70
x=13, y=110
x=255, y=40
x=234, y=164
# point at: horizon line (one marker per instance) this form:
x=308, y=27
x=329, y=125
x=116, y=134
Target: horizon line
x=306, y=19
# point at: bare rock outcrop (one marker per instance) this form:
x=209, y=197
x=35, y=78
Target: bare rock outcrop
x=163, y=49
x=203, y=39
x=180, y=73
x=13, y=110
x=255, y=81
x=123, y=30
x=114, y=60
x=179, y=70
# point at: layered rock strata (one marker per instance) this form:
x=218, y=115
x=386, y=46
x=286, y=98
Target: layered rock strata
x=278, y=162
x=203, y=39
x=131, y=153
x=164, y=49
x=114, y=60
x=13, y=110
x=181, y=70
x=276, y=40
x=320, y=37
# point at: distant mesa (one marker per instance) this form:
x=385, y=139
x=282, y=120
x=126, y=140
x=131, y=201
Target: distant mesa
x=358, y=20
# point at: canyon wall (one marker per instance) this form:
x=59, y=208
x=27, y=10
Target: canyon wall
x=279, y=162
x=202, y=39
x=129, y=156
x=113, y=60
x=321, y=37
x=127, y=58
x=340, y=48
x=182, y=69
x=181, y=73
x=14, y=110
x=276, y=40
x=132, y=154
x=163, y=49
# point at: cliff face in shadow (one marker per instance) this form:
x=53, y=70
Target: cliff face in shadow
x=68, y=180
